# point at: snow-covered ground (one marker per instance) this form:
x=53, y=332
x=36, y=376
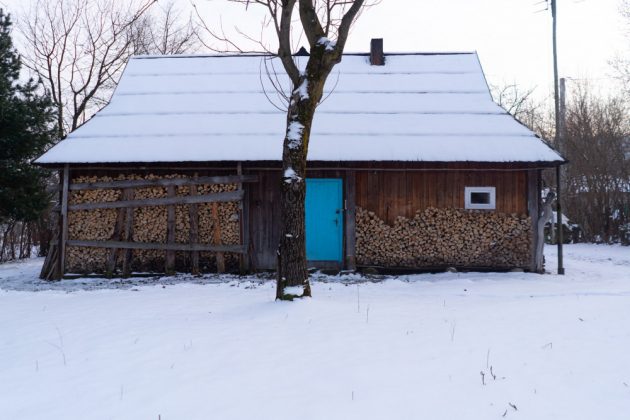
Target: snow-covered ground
x=444, y=346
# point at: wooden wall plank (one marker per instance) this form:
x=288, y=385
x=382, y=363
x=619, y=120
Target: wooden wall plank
x=391, y=194
x=350, y=221
x=193, y=215
x=128, y=194
x=264, y=219
x=521, y=207
x=170, y=230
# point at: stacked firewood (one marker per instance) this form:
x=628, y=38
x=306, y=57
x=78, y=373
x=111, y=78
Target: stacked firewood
x=228, y=232
x=444, y=237
x=95, y=225
x=149, y=225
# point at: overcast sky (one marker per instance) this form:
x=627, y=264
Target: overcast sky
x=512, y=37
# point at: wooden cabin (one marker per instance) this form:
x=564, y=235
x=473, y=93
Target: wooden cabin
x=411, y=166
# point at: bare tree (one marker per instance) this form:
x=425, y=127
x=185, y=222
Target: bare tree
x=79, y=48
x=512, y=98
x=325, y=24
x=521, y=103
x=621, y=63
x=166, y=30
x=598, y=178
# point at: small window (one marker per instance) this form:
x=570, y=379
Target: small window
x=480, y=198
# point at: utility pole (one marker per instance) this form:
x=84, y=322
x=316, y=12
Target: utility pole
x=558, y=137
x=562, y=147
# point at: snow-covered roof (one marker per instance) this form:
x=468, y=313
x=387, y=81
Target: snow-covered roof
x=417, y=107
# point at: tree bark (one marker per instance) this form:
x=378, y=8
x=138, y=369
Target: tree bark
x=293, y=269
x=307, y=93
x=308, y=87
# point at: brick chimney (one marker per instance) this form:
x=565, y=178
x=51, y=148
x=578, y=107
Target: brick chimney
x=377, y=57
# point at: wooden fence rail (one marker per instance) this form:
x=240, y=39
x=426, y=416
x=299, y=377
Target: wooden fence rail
x=237, y=249
x=123, y=230
x=166, y=201
x=169, y=182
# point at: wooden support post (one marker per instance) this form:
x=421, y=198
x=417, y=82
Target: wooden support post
x=351, y=215
x=193, y=212
x=170, y=232
x=64, y=220
x=533, y=209
x=113, y=253
x=247, y=259
x=216, y=237
x=243, y=219
x=128, y=194
x=559, y=226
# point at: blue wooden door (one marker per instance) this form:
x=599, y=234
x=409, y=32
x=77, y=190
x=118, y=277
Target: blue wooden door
x=324, y=219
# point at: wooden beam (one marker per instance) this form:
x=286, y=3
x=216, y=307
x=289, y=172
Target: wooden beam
x=158, y=246
x=350, y=225
x=64, y=219
x=128, y=195
x=216, y=237
x=170, y=232
x=142, y=183
x=193, y=213
x=113, y=253
x=243, y=221
x=208, y=198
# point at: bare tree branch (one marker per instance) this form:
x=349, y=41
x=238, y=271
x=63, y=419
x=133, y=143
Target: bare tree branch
x=326, y=25
x=165, y=30
x=79, y=48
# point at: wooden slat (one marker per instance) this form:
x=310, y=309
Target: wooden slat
x=458, y=191
x=207, y=198
x=361, y=191
x=216, y=238
x=157, y=246
x=372, y=202
x=113, y=253
x=64, y=219
x=350, y=226
x=170, y=231
x=388, y=195
x=193, y=213
x=128, y=195
x=243, y=221
x=265, y=219
x=276, y=214
x=421, y=182
x=142, y=183
x=520, y=192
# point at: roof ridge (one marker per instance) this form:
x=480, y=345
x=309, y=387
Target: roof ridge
x=244, y=55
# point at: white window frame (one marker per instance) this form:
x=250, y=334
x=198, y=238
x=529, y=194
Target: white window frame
x=468, y=194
